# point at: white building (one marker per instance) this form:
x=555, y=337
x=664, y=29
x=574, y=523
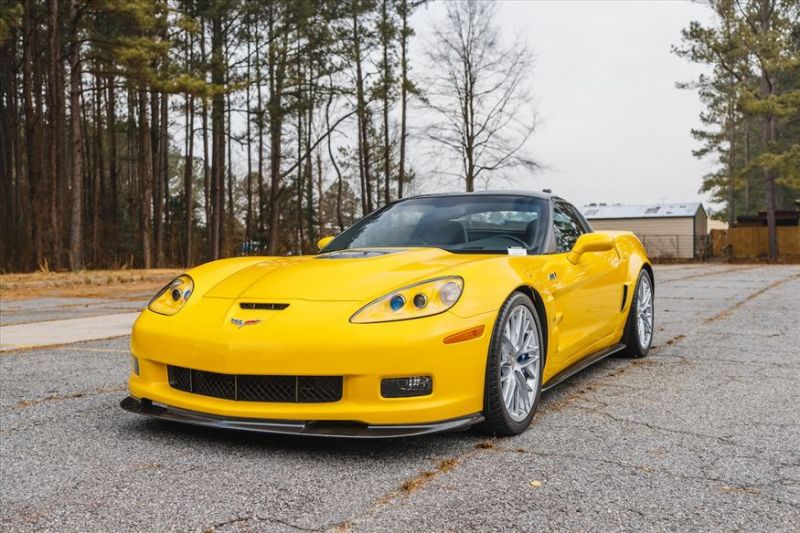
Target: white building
x=666, y=230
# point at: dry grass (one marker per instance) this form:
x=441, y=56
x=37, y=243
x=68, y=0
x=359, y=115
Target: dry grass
x=119, y=284
x=415, y=483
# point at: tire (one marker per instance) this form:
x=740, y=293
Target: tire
x=635, y=345
x=518, y=369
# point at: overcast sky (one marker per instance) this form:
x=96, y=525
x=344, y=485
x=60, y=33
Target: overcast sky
x=614, y=127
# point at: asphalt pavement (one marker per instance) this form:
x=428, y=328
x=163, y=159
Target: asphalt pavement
x=704, y=434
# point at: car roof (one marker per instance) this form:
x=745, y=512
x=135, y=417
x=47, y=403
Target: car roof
x=532, y=194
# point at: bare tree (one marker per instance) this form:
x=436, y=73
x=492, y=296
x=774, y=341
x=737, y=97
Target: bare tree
x=480, y=89
x=404, y=9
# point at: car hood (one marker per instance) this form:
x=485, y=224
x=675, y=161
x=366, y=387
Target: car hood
x=350, y=275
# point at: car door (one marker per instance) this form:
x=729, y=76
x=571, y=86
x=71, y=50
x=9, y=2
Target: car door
x=586, y=295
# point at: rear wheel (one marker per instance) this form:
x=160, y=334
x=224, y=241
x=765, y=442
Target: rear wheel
x=513, y=368
x=638, y=335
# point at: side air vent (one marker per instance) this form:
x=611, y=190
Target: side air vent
x=263, y=306
x=624, y=297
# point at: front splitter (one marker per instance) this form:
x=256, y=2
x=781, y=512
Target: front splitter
x=316, y=428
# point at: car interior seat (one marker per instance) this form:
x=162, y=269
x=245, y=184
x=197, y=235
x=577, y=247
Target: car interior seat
x=437, y=232
x=532, y=233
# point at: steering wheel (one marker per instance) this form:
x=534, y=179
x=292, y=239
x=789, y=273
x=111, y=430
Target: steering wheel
x=515, y=239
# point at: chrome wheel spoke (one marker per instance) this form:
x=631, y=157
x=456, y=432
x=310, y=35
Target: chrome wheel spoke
x=529, y=343
x=529, y=362
x=509, y=386
x=507, y=347
x=508, y=339
x=517, y=330
x=524, y=330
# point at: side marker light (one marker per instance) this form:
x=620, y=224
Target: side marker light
x=466, y=335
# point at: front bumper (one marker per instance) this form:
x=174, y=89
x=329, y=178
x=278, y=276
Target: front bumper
x=350, y=430
x=313, y=339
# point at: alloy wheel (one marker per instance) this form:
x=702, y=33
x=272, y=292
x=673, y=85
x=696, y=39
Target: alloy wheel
x=644, y=310
x=519, y=363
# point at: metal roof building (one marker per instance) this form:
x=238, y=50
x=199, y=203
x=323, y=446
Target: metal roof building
x=666, y=230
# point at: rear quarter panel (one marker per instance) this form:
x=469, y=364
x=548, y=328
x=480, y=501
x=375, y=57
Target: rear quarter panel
x=633, y=258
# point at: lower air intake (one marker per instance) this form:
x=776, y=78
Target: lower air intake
x=257, y=388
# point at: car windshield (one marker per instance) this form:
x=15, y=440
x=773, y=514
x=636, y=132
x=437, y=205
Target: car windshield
x=460, y=223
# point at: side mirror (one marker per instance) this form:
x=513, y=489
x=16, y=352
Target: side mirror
x=590, y=242
x=323, y=242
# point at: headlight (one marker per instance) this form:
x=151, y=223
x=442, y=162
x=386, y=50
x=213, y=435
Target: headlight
x=172, y=297
x=415, y=301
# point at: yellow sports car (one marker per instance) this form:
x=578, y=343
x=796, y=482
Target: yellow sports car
x=434, y=313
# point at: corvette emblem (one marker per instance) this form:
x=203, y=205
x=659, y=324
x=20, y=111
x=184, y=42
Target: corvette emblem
x=242, y=323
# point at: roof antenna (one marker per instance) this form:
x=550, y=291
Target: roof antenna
x=548, y=191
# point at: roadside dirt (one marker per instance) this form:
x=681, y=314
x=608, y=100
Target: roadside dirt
x=117, y=284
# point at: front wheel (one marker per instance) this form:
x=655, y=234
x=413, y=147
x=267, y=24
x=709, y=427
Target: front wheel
x=513, y=368
x=638, y=335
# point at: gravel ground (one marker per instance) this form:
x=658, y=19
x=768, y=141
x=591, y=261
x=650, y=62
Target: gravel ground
x=704, y=434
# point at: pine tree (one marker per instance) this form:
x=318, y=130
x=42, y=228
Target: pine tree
x=754, y=54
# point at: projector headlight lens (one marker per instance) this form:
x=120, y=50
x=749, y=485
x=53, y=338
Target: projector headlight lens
x=430, y=297
x=450, y=292
x=397, y=302
x=420, y=300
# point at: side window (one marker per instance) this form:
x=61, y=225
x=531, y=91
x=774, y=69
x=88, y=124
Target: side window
x=567, y=227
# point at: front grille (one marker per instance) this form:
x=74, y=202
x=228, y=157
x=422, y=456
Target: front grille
x=257, y=388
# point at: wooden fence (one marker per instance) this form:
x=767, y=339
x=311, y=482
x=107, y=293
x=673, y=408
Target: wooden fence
x=752, y=243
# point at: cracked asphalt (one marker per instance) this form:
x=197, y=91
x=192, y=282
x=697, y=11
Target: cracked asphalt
x=704, y=434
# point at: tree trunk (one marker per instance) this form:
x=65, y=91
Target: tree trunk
x=208, y=200
x=746, y=163
x=262, y=203
x=363, y=124
x=387, y=196
x=207, y=204
x=766, y=89
x=339, y=219
x=157, y=176
x=113, y=177
x=188, y=179
x=56, y=113
x=401, y=173
x=133, y=197
x=275, y=184
x=10, y=158
x=145, y=177
x=217, y=135
x=163, y=164
x=31, y=119
x=310, y=243
x=731, y=164
x=227, y=222
x=320, y=221
x=277, y=72
x=248, y=224
x=99, y=183
x=76, y=222
x=299, y=181
x=769, y=192
x=469, y=124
